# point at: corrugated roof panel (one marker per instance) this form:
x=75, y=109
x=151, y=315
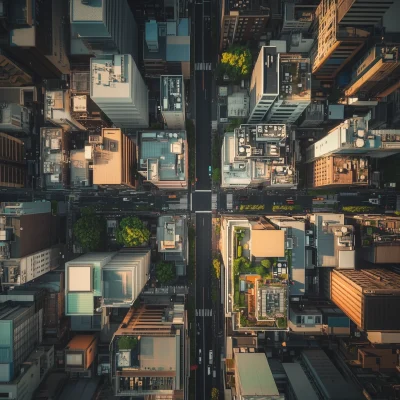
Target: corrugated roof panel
x=80, y=303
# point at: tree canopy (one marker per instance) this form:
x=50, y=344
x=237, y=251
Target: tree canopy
x=216, y=175
x=357, y=209
x=236, y=62
x=241, y=265
x=89, y=230
x=217, y=268
x=214, y=394
x=165, y=272
x=266, y=263
x=132, y=232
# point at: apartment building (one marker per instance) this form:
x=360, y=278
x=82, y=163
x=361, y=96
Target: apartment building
x=114, y=159
x=354, y=137
x=80, y=355
x=149, y=353
x=280, y=88
x=104, y=27
x=335, y=43
x=243, y=21
x=257, y=155
x=340, y=170
x=12, y=164
x=369, y=297
x=118, y=88
x=173, y=104
x=163, y=158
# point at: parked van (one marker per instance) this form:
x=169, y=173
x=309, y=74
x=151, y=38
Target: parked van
x=210, y=357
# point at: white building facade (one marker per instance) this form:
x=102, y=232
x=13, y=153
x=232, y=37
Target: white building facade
x=118, y=88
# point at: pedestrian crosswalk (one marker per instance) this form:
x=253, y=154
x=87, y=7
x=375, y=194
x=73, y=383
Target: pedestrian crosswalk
x=204, y=312
x=202, y=66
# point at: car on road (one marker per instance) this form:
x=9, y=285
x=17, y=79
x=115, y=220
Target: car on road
x=214, y=373
x=209, y=171
x=125, y=199
x=210, y=357
x=199, y=356
x=208, y=370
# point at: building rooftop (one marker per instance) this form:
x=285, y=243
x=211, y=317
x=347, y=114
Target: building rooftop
x=163, y=156
x=87, y=11
x=79, y=168
x=54, y=162
x=299, y=382
x=250, y=7
x=172, y=93
x=254, y=375
x=295, y=78
x=80, y=342
x=267, y=243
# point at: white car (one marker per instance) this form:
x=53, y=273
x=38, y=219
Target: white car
x=208, y=370
x=125, y=199
x=199, y=360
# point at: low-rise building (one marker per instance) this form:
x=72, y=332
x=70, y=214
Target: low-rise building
x=256, y=155
x=149, y=352
x=79, y=172
x=15, y=118
x=254, y=379
x=376, y=359
x=114, y=157
x=163, y=158
x=173, y=104
x=298, y=386
x=256, y=275
x=341, y=170
x=172, y=233
x=80, y=354
x=54, y=158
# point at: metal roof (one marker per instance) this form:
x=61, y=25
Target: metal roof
x=299, y=382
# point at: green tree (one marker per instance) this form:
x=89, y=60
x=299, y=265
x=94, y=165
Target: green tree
x=241, y=265
x=236, y=62
x=260, y=270
x=357, y=209
x=132, y=232
x=214, y=394
x=165, y=272
x=216, y=175
x=89, y=230
x=217, y=268
x=127, y=342
x=286, y=208
x=266, y=263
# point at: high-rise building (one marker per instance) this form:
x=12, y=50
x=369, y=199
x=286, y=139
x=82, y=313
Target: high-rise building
x=173, y=101
x=103, y=27
x=335, y=44
x=97, y=280
x=376, y=75
x=149, y=353
x=12, y=164
x=353, y=137
x=114, y=159
x=15, y=118
x=361, y=12
x=297, y=18
x=369, y=297
x=163, y=158
x=244, y=21
x=280, y=88
x=118, y=88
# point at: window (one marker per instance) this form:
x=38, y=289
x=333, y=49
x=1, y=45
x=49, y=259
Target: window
x=317, y=319
x=298, y=319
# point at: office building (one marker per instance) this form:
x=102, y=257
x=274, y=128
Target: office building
x=103, y=27
x=280, y=88
x=297, y=18
x=163, y=158
x=13, y=74
x=15, y=118
x=57, y=110
x=79, y=168
x=298, y=385
x=173, y=101
x=376, y=75
x=149, y=353
x=341, y=170
x=353, y=137
x=335, y=44
x=12, y=164
x=166, y=48
x=114, y=158
x=255, y=240
x=54, y=158
x=80, y=354
x=369, y=297
x=25, y=229
x=21, y=324
x=97, y=280
x=243, y=22
x=32, y=372
x=37, y=38
x=172, y=233
x=18, y=271
x=254, y=379
x=327, y=378
x=257, y=155
x=364, y=13
x=118, y=88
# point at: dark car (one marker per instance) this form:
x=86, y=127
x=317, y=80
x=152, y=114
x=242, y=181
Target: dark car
x=243, y=198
